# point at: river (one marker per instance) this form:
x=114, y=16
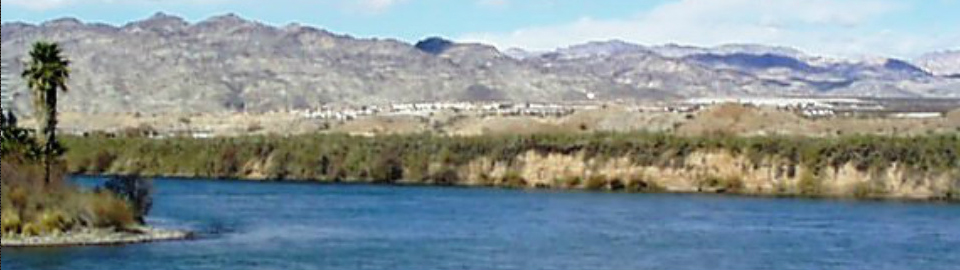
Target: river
x=247, y=225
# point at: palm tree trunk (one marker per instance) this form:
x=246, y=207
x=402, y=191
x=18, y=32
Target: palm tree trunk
x=50, y=130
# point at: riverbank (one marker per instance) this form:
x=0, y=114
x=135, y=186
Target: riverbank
x=868, y=167
x=96, y=237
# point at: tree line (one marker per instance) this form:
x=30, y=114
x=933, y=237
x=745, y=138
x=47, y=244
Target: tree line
x=339, y=157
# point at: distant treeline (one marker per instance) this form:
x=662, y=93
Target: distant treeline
x=435, y=159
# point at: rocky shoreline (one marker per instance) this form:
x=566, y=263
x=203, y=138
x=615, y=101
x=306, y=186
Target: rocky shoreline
x=97, y=237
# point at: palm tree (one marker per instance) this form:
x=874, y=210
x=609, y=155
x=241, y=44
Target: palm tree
x=45, y=74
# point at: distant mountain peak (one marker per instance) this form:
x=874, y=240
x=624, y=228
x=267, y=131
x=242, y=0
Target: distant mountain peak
x=759, y=49
x=752, y=61
x=229, y=22
x=434, y=45
x=600, y=48
x=63, y=22
x=159, y=21
x=619, y=43
x=229, y=19
x=904, y=66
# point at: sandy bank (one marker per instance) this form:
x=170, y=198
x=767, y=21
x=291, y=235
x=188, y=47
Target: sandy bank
x=97, y=237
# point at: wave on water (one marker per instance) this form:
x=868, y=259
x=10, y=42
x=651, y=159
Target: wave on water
x=285, y=233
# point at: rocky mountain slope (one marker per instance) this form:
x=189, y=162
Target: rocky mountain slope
x=227, y=63
x=945, y=63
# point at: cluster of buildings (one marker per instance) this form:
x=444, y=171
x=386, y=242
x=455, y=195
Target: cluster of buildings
x=808, y=107
x=826, y=107
x=429, y=108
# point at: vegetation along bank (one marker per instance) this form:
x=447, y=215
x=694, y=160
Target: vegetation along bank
x=923, y=167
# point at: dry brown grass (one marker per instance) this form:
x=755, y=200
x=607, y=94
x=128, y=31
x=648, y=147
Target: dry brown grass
x=109, y=211
x=506, y=125
x=379, y=125
x=954, y=117
x=732, y=119
x=32, y=207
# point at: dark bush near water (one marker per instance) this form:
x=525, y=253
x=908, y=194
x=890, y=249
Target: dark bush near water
x=136, y=190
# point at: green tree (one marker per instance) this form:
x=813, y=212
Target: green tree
x=46, y=73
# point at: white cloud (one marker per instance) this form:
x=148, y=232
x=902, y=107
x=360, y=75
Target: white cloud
x=364, y=6
x=39, y=4
x=43, y=5
x=493, y=3
x=831, y=27
x=377, y=6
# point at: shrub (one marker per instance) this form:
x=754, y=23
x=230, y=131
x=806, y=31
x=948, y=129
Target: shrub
x=31, y=229
x=595, y=182
x=721, y=184
x=570, y=182
x=387, y=167
x=102, y=162
x=952, y=194
x=639, y=184
x=278, y=166
x=868, y=189
x=55, y=221
x=514, y=179
x=616, y=185
x=108, y=211
x=18, y=197
x=11, y=222
x=445, y=176
x=138, y=192
x=809, y=184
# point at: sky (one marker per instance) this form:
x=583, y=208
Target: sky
x=840, y=28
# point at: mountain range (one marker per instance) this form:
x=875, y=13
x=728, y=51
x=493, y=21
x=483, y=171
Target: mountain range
x=229, y=64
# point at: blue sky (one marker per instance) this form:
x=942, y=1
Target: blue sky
x=902, y=28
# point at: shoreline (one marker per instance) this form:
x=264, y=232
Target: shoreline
x=97, y=237
x=558, y=189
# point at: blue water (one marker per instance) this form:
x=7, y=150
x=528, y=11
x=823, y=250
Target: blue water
x=296, y=226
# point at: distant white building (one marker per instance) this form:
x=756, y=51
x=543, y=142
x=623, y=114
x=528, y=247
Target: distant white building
x=762, y=102
x=788, y=102
x=917, y=115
